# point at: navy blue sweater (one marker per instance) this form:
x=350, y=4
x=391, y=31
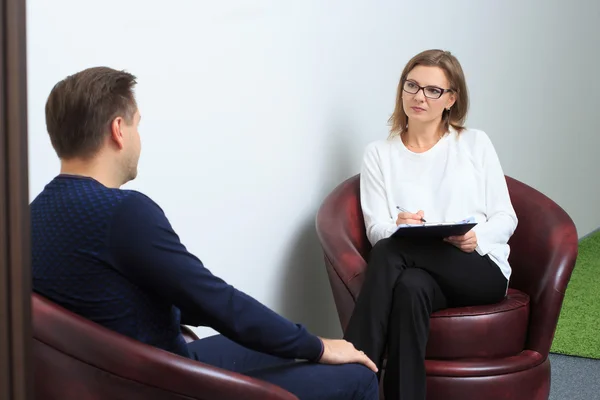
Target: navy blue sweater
x=111, y=255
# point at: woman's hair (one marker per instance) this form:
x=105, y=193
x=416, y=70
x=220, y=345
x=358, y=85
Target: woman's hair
x=456, y=79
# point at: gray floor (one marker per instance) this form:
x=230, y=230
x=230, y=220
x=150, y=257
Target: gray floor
x=574, y=378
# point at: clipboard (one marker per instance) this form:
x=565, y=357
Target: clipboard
x=435, y=229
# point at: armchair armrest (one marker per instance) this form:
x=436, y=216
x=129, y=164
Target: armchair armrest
x=117, y=358
x=543, y=254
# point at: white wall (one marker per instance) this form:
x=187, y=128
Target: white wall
x=254, y=110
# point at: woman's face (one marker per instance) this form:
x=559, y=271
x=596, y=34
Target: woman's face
x=423, y=97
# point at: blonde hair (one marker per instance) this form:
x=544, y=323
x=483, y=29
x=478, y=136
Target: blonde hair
x=456, y=78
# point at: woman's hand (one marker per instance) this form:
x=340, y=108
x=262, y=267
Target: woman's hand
x=466, y=242
x=410, y=218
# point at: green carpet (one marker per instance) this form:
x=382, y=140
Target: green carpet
x=578, y=331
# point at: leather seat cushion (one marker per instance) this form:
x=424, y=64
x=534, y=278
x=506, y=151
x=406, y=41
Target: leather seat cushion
x=488, y=331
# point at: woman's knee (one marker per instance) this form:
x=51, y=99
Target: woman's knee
x=415, y=282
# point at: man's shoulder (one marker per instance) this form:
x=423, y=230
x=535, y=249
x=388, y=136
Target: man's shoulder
x=134, y=199
x=137, y=197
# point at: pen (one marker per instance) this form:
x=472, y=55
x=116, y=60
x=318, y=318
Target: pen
x=405, y=210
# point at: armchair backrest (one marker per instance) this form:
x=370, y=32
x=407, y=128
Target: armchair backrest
x=341, y=230
x=75, y=358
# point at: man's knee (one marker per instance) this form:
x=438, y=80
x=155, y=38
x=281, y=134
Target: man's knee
x=370, y=387
x=365, y=381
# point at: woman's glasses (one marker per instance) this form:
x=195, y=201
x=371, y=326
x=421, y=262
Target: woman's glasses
x=432, y=92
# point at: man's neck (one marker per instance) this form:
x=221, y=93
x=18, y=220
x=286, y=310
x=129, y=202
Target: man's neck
x=90, y=169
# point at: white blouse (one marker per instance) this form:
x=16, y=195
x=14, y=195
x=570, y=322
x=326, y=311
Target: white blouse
x=458, y=178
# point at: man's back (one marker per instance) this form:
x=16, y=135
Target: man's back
x=75, y=262
x=111, y=256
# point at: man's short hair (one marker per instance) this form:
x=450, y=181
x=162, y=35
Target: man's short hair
x=81, y=107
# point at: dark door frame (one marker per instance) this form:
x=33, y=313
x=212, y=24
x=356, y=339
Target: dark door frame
x=16, y=381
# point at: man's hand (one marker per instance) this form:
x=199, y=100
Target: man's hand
x=466, y=242
x=410, y=218
x=343, y=352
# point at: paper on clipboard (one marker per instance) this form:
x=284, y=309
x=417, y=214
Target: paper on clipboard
x=436, y=229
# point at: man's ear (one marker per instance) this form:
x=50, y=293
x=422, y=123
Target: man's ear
x=116, y=133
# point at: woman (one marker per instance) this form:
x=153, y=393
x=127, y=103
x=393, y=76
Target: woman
x=433, y=164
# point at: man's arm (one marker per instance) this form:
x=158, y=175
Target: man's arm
x=147, y=250
x=188, y=318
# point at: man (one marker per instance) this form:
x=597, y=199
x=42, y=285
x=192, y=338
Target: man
x=112, y=256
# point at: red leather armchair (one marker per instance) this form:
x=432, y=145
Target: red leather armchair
x=78, y=359
x=484, y=352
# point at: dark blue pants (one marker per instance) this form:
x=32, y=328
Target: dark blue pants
x=306, y=380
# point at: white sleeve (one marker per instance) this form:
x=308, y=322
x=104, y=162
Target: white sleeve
x=379, y=223
x=501, y=217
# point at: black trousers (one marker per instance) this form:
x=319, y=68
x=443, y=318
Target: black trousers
x=405, y=281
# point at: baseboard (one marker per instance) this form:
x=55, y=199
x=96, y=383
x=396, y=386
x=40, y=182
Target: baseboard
x=590, y=234
x=573, y=356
